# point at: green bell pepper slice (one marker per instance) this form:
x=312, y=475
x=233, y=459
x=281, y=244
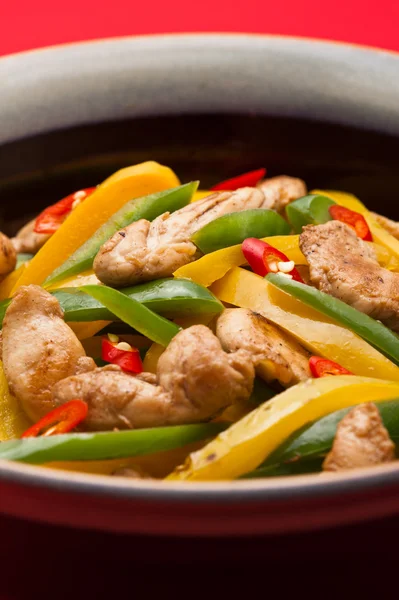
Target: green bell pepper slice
x=234, y=228
x=316, y=439
x=106, y=445
x=136, y=315
x=374, y=332
x=169, y=297
x=147, y=207
x=302, y=467
x=309, y=210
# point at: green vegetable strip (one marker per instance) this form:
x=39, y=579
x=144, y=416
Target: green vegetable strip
x=234, y=228
x=316, y=439
x=138, y=316
x=169, y=297
x=374, y=332
x=302, y=467
x=309, y=210
x=106, y=445
x=147, y=207
x=305, y=449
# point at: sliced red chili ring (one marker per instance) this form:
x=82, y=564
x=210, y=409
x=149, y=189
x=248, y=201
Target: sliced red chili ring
x=322, y=367
x=60, y=420
x=250, y=179
x=264, y=258
x=52, y=217
x=353, y=219
x=127, y=360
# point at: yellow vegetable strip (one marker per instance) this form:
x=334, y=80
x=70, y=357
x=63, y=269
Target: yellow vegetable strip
x=8, y=284
x=151, y=358
x=13, y=421
x=200, y=194
x=246, y=444
x=110, y=196
x=215, y=265
x=321, y=335
x=380, y=235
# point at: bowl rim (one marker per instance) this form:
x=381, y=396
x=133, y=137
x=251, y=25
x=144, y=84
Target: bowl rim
x=206, y=34
x=235, y=492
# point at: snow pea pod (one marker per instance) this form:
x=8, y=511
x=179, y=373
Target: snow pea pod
x=234, y=228
x=106, y=445
x=147, y=207
x=130, y=311
x=374, y=332
x=309, y=210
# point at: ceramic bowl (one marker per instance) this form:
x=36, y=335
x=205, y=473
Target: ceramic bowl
x=211, y=105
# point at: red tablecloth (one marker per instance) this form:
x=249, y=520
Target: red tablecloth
x=26, y=24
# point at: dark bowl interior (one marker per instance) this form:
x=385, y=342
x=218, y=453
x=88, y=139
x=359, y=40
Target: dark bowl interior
x=37, y=171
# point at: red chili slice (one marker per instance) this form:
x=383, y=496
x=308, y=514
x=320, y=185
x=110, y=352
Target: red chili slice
x=264, y=258
x=60, y=420
x=127, y=360
x=322, y=367
x=355, y=220
x=250, y=179
x=53, y=216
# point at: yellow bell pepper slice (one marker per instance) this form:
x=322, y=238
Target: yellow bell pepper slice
x=380, y=235
x=247, y=443
x=8, y=284
x=200, y=194
x=215, y=265
x=131, y=182
x=153, y=354
x=13, y=420
x=319, y=334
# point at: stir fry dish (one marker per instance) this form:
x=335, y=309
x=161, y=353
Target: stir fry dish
x=154, y=330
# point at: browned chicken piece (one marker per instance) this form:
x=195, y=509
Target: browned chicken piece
x=38, y=349
x=390, y=226
x=8, y=256
x=275, y=354
x=28, y=241
x=281, y=191
x=196, y=380
x=361, y=440
x=144, y=251
x=345, y=267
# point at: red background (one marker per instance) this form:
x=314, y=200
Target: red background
x=26, y=24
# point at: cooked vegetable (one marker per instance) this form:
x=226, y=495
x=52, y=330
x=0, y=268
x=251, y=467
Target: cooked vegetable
x=122, y=354
x=264, y=258
x=319, y=334
x=247, y=443
x=354, y=219
x=60, y=420
x=135, y=314
x=234, y=228
x=322, y=367
x=316, y=439
x=147, y=207
x=53, y=216
x=13, y=420
x=369, y=329
x=214, y=266
x=83, y=222
x=379, y=234
x=106, y=445
x=250, y=179
x=168, y=297
x=309, y=210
